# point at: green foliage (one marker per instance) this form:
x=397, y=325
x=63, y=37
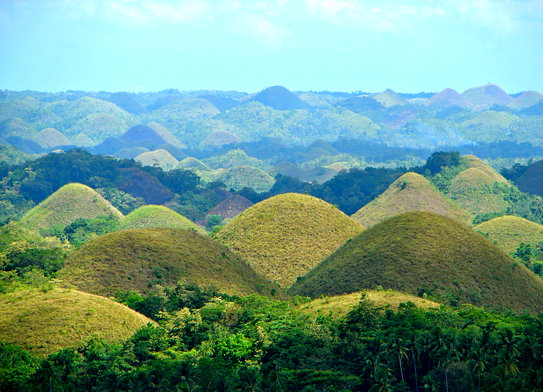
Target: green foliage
x=123, y=201
x=83, y=229
x=213, y=220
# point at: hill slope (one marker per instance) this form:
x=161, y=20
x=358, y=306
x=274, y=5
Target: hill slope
x=138, y=258
x=280, y=98
x=472, y=190
x=47, y=322
x=410, y=192
x=424, y=252
x=285, y=236
x=447, y=98
x=70, y=202
x=160, y=158
x=509, y=231
x=230, y=207
x=488, y=94
x=50, y=137
x=474, y=162
x=390, y=98
x=157, y=216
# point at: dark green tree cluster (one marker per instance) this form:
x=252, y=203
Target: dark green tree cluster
x=256, y=344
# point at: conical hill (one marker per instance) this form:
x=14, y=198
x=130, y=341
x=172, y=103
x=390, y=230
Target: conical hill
x=45, y=322
x=67, y=204
x=410, y=192
x=419, y=252
x=509, y=231
x=474, y=162
x=157, y=216
x=471, y=189
x=285, y=236
x=136, y=259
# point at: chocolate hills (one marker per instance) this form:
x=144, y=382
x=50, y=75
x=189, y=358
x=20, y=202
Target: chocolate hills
x=474, y=162
x=280, y=98
x=509, y=231
x=165, y=134
x=157, y=216
x=136, y=259
x=488, y=94
x=421, y=252
x=472, y=190
x=191, y=163
x=160, y=158
x=218, y=139
x=143, y=136
x=410, y=192
x=285, y=236
x=447, y=98
x=340, y=305
x=390, y=98
x=526, y=99
x=50, y=137
x=45, y=322
x=230, y=207
x=70, y=202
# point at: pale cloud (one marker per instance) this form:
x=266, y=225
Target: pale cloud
x=257, y=27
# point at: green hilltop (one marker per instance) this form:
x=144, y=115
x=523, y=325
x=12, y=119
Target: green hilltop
x=160, y=158
x=285, y=236
x=421, y=252
x=45, y=322
x=509, y=231
x=474, y=162
x=191, y=163
x=70, y=202
x=150, y=216
x=410, y=192
x=472, y=190
x=340, y=305
x=137, y=259
x=50, y=137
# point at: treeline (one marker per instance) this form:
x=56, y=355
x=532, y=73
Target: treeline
x=257, y=344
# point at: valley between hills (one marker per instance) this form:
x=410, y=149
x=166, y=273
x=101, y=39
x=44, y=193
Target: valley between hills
x=275, y=241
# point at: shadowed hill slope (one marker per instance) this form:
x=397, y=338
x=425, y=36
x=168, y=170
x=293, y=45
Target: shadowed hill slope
x=488, y=94
x=447, y=98
x=280, y=98
x=70, y=202
x=45, y=322
x=410, y=192
x=424, y=252
x=285, y=236
x=150, y=216
x=138, y=258
x=509, y=231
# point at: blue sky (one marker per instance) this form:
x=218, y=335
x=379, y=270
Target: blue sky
x=341, y=45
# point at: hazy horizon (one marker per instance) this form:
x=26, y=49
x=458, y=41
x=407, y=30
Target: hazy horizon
x=318, y=45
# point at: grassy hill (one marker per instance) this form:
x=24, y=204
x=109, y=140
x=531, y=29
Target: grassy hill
x=526, y=99
x=530, y=180
x=218, y=139
x=472, y=190
x=136, y=259
x=280, y=98
x=447, y=98
x=240, y=177
x=70, y=202
x=230, y=207
x=192, y=163
x=285, y=236
x=45, y=322
x=130, y=152
x=492, y=120
x=157, y=216
x=488, y=94
x=50, y=137
x=410, y=192
x=165, y=134
x=390, y=98
x=474, y=162
x=509, y=231
x=421, y=252
x=340, y=305
x=160, y=158
x=234, y=158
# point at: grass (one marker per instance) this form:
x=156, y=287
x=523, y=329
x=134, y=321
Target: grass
x=45, y=322
x=474, y=162
x=472, y=190
x=149, y=216
x=160, y=158
x=192, y=163
x=410, y=192
x=240, y=177
x=287, y=235
x=50, y=137
x=421, y=252
x=390, y=98
x=70, y=202
x=231, y=207
x=136, y=259
x=339, y=305
x=509, y=231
